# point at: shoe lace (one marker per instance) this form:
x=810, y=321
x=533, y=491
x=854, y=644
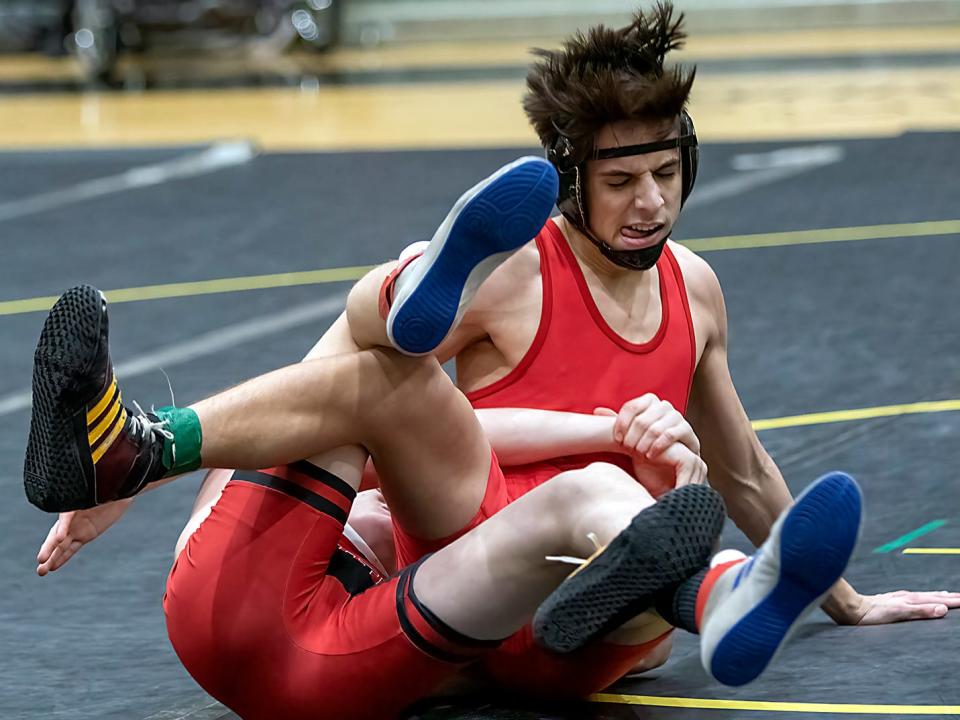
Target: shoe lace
x=569, y=560
x=145, y=426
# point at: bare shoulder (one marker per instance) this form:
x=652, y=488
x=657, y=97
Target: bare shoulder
x=701, y=281
x=509, y=282
x=506, y=292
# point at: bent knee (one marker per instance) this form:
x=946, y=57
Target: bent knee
x=600, y=480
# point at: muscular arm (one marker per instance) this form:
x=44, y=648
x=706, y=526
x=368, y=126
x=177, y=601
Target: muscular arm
x=739, y=467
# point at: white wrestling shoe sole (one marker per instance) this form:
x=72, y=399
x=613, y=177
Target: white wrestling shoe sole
x=487, y=224
x=769, y=594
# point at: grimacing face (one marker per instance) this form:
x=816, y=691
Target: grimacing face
x=633, y=201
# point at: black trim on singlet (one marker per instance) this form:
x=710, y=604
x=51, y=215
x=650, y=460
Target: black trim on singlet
x=352, y=574
x=441, y=628
x=326, y=477
x=406, y=580
x=298, y=492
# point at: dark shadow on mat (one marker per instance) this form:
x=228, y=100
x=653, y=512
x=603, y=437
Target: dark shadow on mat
x=506, y=706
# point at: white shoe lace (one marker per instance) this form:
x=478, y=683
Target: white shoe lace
x=570, y=560
x=145, y=425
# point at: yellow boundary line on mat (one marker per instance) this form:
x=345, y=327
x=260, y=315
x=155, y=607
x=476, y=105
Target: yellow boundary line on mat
x=344, y=274
x=931, y=551
x=755, y=705
x=869, y=413
x=201, y=287
x=826, y=235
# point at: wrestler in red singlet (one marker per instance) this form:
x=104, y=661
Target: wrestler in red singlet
x=577, y=362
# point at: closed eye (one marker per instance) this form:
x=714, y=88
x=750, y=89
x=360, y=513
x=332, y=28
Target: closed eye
x=668, y=170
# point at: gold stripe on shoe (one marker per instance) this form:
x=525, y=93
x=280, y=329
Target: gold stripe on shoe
x=104, y=423
x=114, y=434
x=111, y=394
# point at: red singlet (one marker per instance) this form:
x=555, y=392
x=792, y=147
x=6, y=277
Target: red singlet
x=577, y=362
x=276, y=615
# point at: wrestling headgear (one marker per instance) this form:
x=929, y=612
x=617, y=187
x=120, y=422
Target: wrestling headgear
x=573, y=206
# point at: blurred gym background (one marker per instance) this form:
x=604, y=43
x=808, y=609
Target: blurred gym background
x=49, y=46
x=108, y=40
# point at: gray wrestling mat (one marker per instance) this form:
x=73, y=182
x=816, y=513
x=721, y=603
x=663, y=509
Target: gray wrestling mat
x=822, y=327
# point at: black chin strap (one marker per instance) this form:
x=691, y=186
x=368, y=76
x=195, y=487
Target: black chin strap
x=642, y=259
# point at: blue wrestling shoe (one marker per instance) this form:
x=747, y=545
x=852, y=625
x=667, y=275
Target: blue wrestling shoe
x=486, y=225
x=756, y=605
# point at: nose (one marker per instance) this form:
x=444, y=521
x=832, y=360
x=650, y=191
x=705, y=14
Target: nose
x=648, y=196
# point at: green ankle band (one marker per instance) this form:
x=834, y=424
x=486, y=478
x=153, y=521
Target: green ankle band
x=182, y=454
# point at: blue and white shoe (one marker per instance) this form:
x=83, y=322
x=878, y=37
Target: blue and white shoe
x=755, y=606
x=487, y=224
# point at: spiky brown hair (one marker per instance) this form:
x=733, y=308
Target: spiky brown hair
x=608, y=75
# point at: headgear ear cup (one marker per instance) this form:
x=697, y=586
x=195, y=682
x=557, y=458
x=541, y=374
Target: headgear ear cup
x=689, y=156
x=560, y=153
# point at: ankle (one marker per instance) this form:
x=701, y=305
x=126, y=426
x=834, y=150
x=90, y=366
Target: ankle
x=182, y=441
x=718, y=582
x=390, y=281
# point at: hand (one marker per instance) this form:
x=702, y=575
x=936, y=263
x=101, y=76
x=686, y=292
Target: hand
x=681, y=465
x=647, y=426
x=73, y=530
x=903, y=605
x=675, y=467
x=662, y=444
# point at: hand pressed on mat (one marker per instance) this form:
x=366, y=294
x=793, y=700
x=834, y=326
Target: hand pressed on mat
x=901, y=605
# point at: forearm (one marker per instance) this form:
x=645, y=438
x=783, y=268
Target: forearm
x=752, y=488
x=522, y=435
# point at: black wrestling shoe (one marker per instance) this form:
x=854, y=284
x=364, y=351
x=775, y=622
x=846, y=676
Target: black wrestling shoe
x=664, y=545
x=85, y=448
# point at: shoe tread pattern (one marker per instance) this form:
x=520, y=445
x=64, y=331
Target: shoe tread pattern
x=817, y=540
x=501, y=218
x=664, y=545
x=69, y=341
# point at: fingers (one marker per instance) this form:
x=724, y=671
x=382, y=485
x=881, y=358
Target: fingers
x=630, y=410
x=59, y=557
x=604, y=411
x=686, y=475
x=49, y=544
x=673, y=427
x=939, y=597
x=59, y=539
x=692, y=473
x=49, y=565
x=904, y=612
x=903, y=606
x=648, y=426
x=656, y=429
x=689, y=468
